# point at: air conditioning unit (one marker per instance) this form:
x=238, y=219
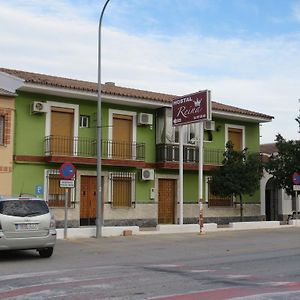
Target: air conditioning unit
x=147, y=174
x=209, y=125
x=145, y=119
x=38, y=107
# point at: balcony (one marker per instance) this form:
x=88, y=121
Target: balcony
x=87, y=148
x=170, y=153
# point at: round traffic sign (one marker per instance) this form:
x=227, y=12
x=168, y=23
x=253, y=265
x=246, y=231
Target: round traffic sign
x=296, y=178
x=67, y=170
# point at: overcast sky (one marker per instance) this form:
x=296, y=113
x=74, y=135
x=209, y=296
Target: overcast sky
x=247, y=52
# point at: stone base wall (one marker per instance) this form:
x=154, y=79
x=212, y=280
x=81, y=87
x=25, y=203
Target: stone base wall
x=145, y=215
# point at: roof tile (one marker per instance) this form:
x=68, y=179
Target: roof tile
x=112, y=89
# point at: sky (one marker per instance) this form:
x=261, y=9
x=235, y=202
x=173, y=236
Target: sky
x=247, y=52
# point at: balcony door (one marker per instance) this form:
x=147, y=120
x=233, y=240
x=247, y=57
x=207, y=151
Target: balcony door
x=235, y=134
x=122, y=137
x=62, y=131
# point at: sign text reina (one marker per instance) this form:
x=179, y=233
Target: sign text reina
x=191, y=108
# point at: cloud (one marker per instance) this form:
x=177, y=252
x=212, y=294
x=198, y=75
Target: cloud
x=57, y=38
x=296, y=10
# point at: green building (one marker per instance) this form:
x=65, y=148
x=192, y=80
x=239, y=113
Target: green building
x=55, y=122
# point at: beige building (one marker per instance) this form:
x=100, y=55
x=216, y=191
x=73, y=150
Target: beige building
x=7, y=109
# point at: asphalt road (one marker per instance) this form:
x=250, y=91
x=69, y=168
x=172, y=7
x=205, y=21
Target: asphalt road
x=256, y=264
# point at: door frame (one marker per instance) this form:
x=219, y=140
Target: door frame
x=133, y=114
x=104, y=176
x=75, y=107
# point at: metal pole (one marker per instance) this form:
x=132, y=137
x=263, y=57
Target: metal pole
x=200, y=176
x=99, y=210
x=297, y=208
x=66, y=213
x=200, y=166
x=180, y=175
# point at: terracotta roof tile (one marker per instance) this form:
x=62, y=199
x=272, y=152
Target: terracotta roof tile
x=112, y=89
x=268, y=148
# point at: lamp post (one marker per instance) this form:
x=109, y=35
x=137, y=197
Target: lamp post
x=100, y=207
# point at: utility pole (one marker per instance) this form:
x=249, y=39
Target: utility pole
x=100, y=206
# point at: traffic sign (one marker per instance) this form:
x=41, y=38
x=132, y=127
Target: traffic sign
x=66, y=183
x=296, y=188
x=39, y=189
x=296, y=178
x=67, y=170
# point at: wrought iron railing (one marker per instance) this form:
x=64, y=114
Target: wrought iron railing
x=170, y=153
x=87, y=147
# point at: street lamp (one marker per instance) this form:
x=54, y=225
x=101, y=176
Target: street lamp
x=100, y=207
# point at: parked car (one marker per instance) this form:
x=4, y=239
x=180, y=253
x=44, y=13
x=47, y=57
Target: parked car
x=26, y=223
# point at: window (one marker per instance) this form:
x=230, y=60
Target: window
x=23, y=208
x=215, y=200
x=56, y=194
x=122, y=189
x=84, y=122
x=236, y=134
x=2, y=119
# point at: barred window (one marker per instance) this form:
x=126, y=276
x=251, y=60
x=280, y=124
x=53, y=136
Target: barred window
x=122, y=189
x=2, y=119
x=56, y=194
x=216, y=200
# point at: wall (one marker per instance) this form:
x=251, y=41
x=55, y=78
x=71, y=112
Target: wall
x=7, y=105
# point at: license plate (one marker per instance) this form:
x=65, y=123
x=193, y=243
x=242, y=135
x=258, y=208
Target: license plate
x=27, y=226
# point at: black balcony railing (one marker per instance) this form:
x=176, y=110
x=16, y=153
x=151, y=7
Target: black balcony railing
x=170, y=153
x=87, y=147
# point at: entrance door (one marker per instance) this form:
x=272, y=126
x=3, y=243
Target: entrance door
x=122, y=137
x=88, y=200
x=166, y=201
x=271, y=199
x=62, y=131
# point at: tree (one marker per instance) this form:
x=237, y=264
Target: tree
x=239, y=175
x=284, y=163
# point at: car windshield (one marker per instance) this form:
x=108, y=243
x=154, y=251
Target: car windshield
x=23, y=208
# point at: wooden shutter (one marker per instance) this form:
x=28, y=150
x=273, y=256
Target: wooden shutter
x=235, y=135
x=121, y=191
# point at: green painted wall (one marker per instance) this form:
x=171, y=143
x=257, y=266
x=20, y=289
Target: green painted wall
x=218, y=136
x=30, y=132
x=26, y=177
x=30, y=129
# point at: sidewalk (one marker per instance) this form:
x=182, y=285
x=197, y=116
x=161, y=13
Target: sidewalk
x=110, y=231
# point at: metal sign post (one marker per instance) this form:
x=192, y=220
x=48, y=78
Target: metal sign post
x=66, y=214
x=296, y=188
x=67, y=171
x=200, y=176
x=180, y=175
x=192, y=108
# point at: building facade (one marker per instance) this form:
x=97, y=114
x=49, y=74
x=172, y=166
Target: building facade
x=56, y=123
x=7, y=110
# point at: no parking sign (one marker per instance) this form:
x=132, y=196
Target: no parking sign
x=67, y=170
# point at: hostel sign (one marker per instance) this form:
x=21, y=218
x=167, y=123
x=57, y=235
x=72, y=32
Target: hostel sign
x=192, y=108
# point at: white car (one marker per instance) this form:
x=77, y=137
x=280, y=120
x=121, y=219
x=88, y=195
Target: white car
x=26, y=223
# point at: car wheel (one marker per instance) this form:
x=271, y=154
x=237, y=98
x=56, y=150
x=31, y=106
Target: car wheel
x=45, y=252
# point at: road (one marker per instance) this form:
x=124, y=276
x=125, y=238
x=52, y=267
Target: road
x=256, y=264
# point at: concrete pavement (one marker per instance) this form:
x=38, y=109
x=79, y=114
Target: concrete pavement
x=110, y=231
